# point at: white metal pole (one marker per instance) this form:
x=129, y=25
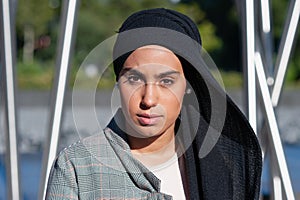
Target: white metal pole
x=11, y=118
x=275, y=137
x=68, y=23
x=251, y=83
x=285, y=48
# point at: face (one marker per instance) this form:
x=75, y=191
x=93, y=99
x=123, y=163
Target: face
x=152, y=86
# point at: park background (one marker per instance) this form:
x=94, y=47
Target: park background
x=37, y=33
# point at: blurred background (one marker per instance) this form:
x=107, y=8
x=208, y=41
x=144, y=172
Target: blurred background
x=37, y=25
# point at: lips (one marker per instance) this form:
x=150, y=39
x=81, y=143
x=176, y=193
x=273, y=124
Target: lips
x=148, y=119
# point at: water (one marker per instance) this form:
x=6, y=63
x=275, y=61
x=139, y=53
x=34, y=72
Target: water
x=30, y=175
x=292, y=153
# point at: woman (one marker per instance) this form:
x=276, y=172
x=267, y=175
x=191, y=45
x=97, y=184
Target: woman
x=177, y=134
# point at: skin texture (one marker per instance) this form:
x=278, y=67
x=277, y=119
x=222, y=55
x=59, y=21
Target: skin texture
x=152, y=86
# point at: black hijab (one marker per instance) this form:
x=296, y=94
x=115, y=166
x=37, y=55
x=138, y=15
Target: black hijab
x=222, y=154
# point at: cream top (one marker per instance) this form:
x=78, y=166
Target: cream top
x=171, y=181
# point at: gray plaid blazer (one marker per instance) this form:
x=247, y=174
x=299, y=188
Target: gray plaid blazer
x=101, y=167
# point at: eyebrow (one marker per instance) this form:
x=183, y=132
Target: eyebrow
x=160, y=75
x=134, y=71
x=167, y=73
x=127, y=69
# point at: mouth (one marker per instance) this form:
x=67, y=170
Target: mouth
x=149, y=119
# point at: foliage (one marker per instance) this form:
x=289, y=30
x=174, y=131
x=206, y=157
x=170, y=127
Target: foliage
x=232, y=79
x=224, y=16
x=207, y=29
x=35, y=75
x=32, y=25
x=218, y=22
x=40, y=76
x=34, y=13
x=99, y=20
x=279, y=13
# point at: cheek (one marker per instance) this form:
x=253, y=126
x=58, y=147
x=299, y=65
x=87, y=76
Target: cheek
x=175, y=95
x=172, y=101
x=129, y=100
x=133, y=103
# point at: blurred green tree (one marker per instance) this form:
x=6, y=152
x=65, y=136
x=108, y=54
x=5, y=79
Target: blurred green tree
x=100, y=19
x=32, y=20
x=224, y=16
x=279, y=14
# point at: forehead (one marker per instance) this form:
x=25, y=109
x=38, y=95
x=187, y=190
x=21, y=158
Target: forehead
x=155, y=55
x=155, y=47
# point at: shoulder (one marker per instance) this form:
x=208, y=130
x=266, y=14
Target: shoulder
x=82, y=150
x=91, y=152
x=70, y=153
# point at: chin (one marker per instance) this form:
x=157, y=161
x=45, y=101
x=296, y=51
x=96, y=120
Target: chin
x=147, y=131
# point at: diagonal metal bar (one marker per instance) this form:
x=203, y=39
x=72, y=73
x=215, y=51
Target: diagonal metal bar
x=281, y=65
x=266, y=40
x=271, y=119
x=68, y=22
x=285, y=48
x=250, y=34
x=7, y=59
x=265, y=15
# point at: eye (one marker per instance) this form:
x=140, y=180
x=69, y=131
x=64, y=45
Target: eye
x=166, y=82
x=133, y=79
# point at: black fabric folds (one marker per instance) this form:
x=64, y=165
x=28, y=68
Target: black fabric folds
x=159, y=17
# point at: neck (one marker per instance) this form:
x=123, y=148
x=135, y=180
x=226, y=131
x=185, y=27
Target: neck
x=154, y=150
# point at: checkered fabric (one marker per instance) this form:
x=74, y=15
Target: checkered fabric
x=101, y=167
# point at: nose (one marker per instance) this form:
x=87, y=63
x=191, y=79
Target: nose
x=150, y=96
